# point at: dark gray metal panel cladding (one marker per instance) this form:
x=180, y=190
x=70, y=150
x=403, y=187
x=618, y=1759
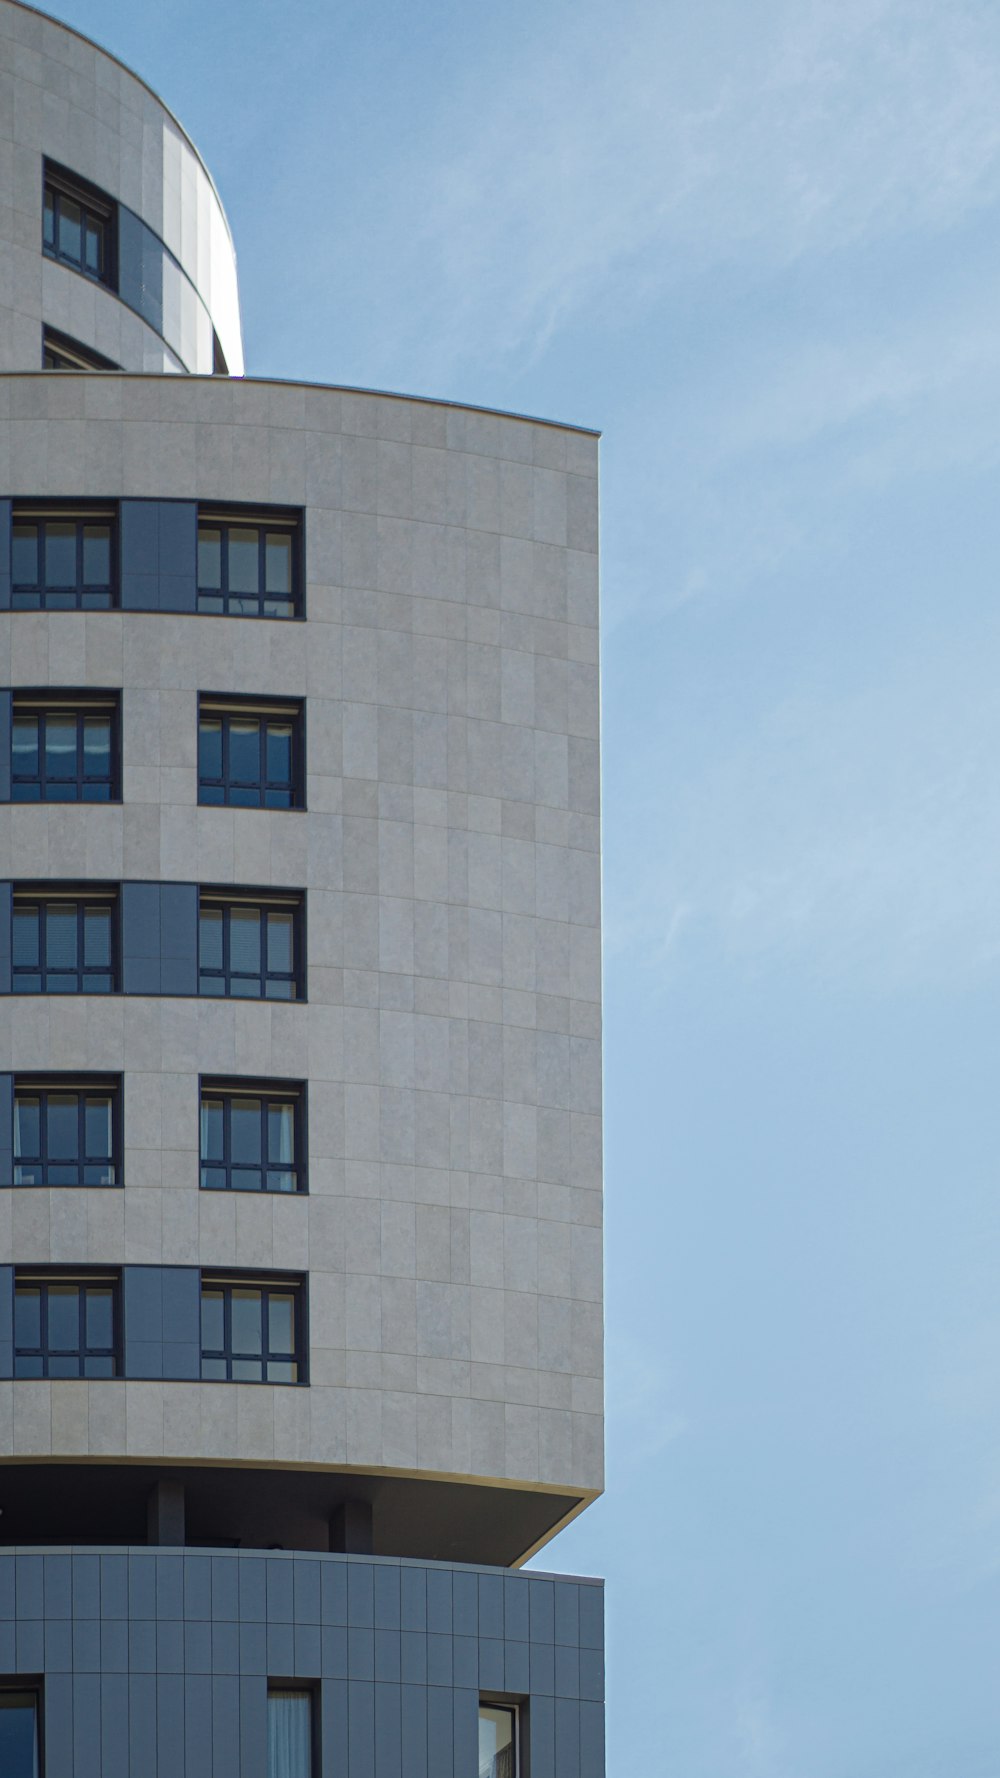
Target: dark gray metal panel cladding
x=142, y=1317
x=181, y=1286
x=6, y=920
x=5, y=544
x=5, y=738
x=178, y=555
x=140, y=929
x=159, y=549
x=6, y=1313
x=6, y=1129
x=178, y=938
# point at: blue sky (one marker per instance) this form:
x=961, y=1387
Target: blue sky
x=757, y=245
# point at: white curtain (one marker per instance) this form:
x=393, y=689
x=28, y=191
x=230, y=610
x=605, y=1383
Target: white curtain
x=289, y=1735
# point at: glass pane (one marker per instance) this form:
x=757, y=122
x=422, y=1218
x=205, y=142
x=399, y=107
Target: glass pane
x=97, y=555
x=24, y=557
x=60, y=746
x=100, y=1317
x=64, y=1318
x=212, y=1128
x=63, y=1126
x=279, y=942
x=281, y=1322
x=282, y=1371
x=102, y=1173
x=92, y=244
x=213, y=1370
x=27, y=1316
x=99, y=1367
x=245, y=1125
x=248, y=1370
x=49, y=222
x=97, y=746
x=213, y=1179
x=60, y=554
x=24, y=747
x=70, y=229
x=246, y=1311
x=26, y=922
x=244, y=749
x=210, y=938
x=209, y=558
x=60, y=935
x=210, y=747
x=27, y=1367
x=281, y=1132
x=279, y=752
x=97, y=1128
x=278, y=562
x=97, y=938
x=244, y=941
x=280, y=1180
x=64, y=1364
x=244, y=576
x=212, y=1322
x=247, y=1179
x=289, y=1734
x=496, y=1742
x=27, y=1128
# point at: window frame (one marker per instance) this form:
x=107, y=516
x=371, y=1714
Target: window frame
x=39, y=1086
x=269, y=1091
x=265, y=901
x=75, y=355
x=44, y=703
x=35, y=597
x=83, y=895
x=33, y=1685
x=267, y=1283
x=225, y=518
x=311, y=1689
x=224, y=708
x=42, y=1277
x=97, y=206
x=514, y=1708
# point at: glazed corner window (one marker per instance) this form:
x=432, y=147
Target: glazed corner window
x=497, y=1741
x=20, y=1714
x=250, y=948
x=65, y=751
x=250, y=755
x=290, y=1733
x=59, y=352
x=249, y=565
x=252, y=1136
x=64, y=943
x=62, y=559
x=251, y=1330
x=65, y=1327
x=78, y=225
x=67, y=1132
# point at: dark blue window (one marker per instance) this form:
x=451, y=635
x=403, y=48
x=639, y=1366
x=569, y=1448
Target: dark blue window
x=252, y=1137
x=250, y=949
x=78, y=225
x=64, y=944
x=249, y=567
x=64, y=753
x=19, y=1732
x=250, y=758
x=67, y=1133
x=59, y=352
x=251, y=1332
x=62, y=561
x=65, y=1327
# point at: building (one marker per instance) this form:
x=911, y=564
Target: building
x=300, y=1160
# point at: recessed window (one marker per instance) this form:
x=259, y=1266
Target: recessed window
x=251, y=1332
x=65, y=943
x=64, y=752
x=19, y=1731
x=65, y=1327
x=78, y=225
x=252, y=1137
x=290, y=1732
x=497, y=1741
x=59, y=352
x=250, y=948
x=62, y=560
x=67, y=1132
x=250, y=755
x=249, y=566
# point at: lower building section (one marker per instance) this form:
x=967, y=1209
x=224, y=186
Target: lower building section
x=160, y=1663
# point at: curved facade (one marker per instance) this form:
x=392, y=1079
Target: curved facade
x=300, y=1079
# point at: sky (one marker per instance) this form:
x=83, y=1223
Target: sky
x=755, y=242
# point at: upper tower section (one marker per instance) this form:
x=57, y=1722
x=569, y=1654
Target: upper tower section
x=115, y=252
